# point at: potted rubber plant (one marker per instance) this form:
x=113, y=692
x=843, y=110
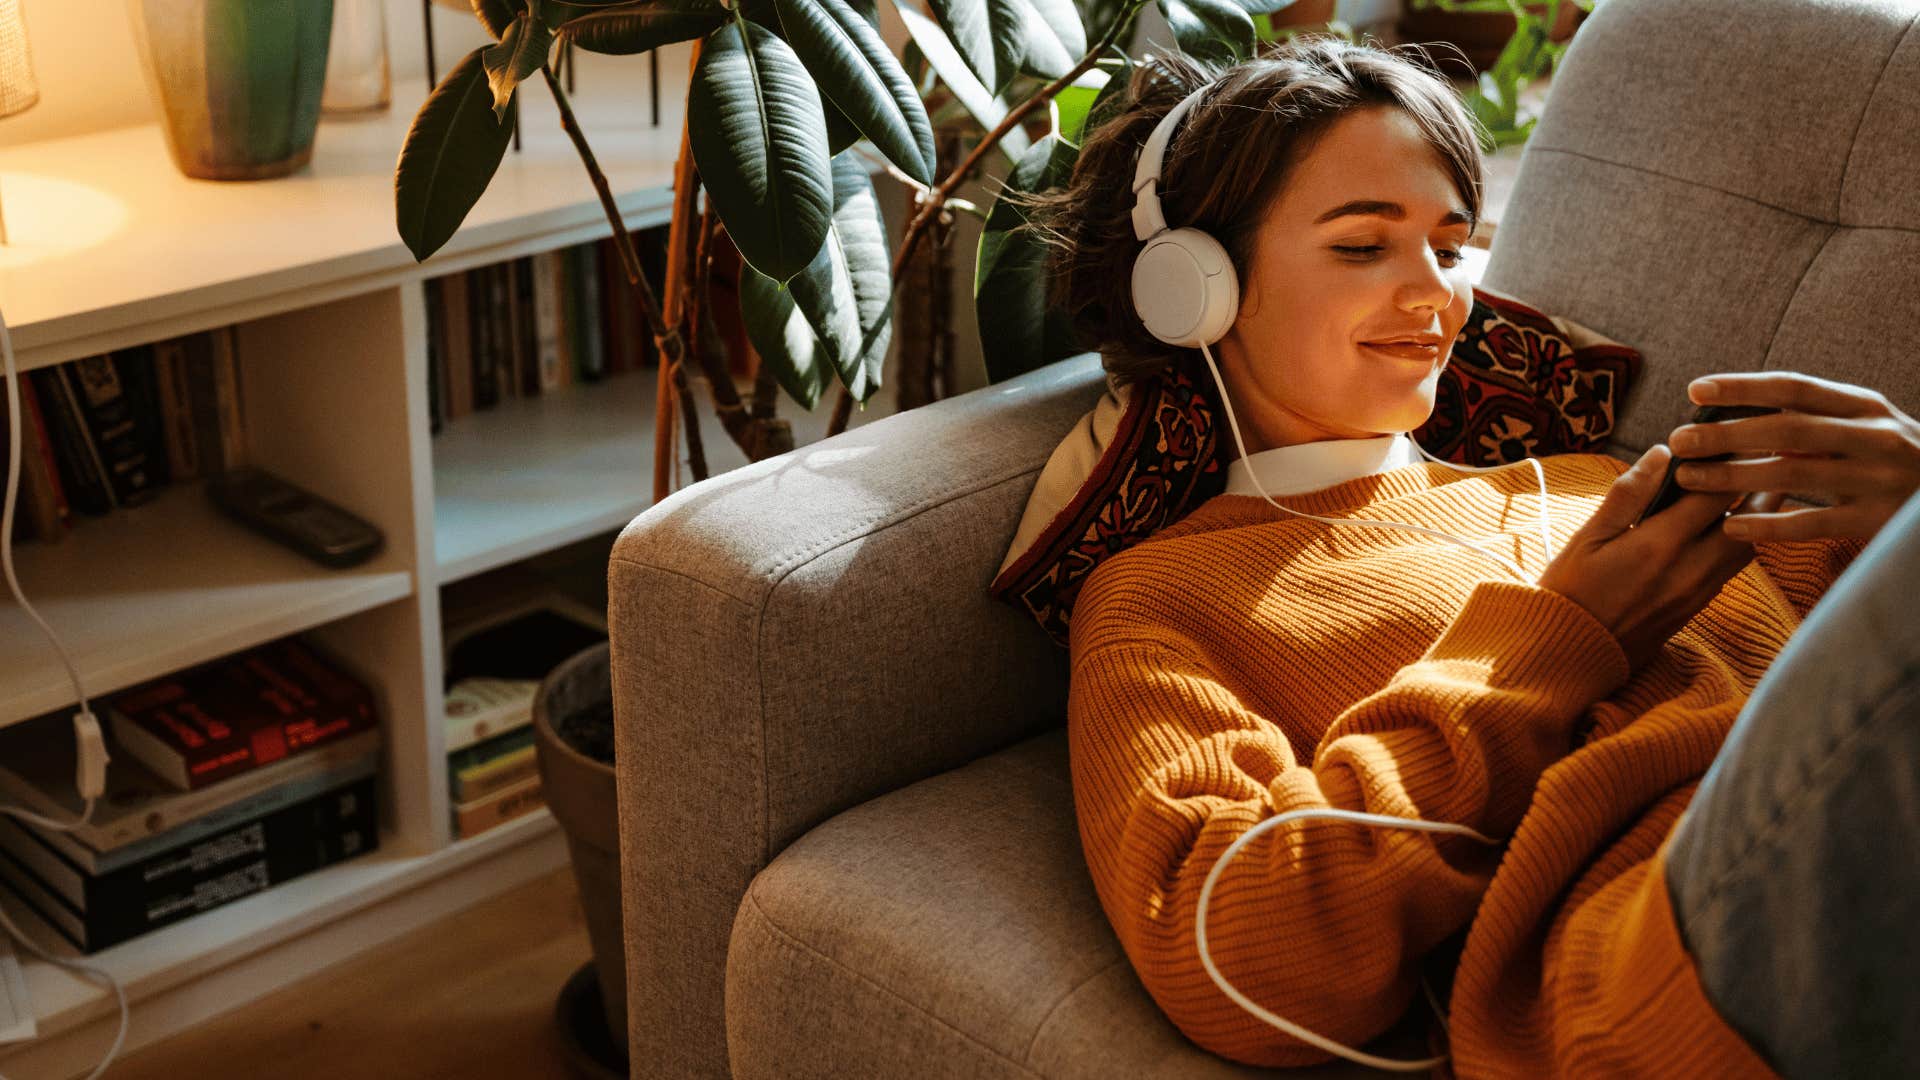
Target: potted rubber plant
x=792, y=106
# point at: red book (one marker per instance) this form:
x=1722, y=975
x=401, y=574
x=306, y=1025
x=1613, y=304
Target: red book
x=251, y=709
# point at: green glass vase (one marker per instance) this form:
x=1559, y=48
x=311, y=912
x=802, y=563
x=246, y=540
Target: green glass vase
x=238, y=82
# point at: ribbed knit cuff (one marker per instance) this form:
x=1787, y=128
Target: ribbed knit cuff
x=1535, y=639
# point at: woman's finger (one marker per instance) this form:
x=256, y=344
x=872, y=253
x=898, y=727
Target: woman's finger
x=1813, y=523
x=1821, y=475
x=1800, y=433
x=1788, y=390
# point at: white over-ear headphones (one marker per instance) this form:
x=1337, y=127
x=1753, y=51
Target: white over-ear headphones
x=1184, y=286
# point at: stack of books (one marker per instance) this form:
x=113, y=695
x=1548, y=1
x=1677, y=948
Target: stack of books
x=533, y=325
x=224, y=780
x=497, y=657
x=110, y=431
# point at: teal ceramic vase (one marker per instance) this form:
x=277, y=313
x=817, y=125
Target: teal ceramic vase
x=238, y=82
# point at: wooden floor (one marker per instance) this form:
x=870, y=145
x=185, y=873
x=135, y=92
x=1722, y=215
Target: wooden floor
x=471, y=997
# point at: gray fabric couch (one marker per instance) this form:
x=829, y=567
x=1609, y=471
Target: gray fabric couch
x=847, y=830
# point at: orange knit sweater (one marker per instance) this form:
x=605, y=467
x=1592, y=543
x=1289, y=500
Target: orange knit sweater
x=1242, y=662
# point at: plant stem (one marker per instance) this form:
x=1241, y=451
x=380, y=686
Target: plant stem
x=932, y=202
x=667, y=336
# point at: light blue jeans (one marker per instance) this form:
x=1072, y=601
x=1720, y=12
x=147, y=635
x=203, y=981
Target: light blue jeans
x=1795, y=874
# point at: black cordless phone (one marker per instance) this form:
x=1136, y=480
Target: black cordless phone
x=295, y=517
x=1670, y=490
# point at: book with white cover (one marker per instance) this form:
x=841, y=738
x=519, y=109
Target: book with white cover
x=480, y=707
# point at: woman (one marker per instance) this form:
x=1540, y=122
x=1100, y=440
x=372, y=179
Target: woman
x=1562, y=701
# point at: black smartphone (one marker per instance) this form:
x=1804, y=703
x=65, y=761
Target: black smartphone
x=1670, y=489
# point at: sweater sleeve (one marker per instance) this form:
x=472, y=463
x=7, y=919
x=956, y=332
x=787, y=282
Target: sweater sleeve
x=1321, y=921
x=1806, y=569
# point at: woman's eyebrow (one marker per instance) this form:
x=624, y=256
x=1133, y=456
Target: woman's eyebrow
x=1393, y=211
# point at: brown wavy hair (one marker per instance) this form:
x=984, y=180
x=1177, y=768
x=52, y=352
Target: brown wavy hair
x=1224, y=166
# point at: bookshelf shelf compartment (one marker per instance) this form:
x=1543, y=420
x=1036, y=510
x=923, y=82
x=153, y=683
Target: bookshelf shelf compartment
x=160, y=587
x=363, y=901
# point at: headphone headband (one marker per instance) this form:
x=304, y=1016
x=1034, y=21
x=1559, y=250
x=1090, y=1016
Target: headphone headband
x=1147, y=218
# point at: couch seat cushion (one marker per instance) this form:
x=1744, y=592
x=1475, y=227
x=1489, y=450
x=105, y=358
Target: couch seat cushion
x=950, y=929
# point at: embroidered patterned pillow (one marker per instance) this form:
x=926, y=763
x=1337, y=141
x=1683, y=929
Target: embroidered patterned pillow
x=1142, y=457
x=1518, y=383
x=1525, y=384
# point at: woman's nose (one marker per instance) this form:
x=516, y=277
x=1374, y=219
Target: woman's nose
x=1426, y=284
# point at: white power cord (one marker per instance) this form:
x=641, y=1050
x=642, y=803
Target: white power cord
x=91, y=769
x=1378, y=821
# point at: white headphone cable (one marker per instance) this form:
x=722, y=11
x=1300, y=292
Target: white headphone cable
x=1546, y=539
x=1378, y=821
x=91, y=753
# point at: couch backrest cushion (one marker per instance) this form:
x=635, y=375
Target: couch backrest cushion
x=1730, y=185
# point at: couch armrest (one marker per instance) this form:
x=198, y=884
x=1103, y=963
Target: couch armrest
x=798, y=636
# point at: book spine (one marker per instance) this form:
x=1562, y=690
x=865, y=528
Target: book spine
x=483, y=778
x=546, y=317
x=176, y=409
x=288, y=844
x=46, y=506
x=500, y=325
x=477, y=709
x=460, y=345
x=142, y=381
x=472, y=819
x=86, y=489
x=203, y=403
x=227, y=384
x=526, y=328
x=112, y=431
x=652, y=245
x=239, y=713
x=589, y=343
x=566, y=292
x=317, y=773
x=486, y=392
x=616, y=310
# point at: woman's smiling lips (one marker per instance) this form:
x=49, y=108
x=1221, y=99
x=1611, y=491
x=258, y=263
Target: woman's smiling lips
x=1407, y=350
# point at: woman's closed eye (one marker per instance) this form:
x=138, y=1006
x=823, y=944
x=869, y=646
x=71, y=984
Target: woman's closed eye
x=1369, y=249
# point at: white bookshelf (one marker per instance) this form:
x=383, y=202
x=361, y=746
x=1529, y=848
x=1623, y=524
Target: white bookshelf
x=114, y=248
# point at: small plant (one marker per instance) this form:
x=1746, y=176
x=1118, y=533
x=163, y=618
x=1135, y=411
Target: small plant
x=1530, y=54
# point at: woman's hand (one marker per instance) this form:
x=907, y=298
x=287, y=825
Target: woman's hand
x=1645, y=582
x=1839, y=443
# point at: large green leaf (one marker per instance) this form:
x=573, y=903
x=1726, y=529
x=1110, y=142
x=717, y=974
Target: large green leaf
x=987, y=37
x=985, y=107
x=449, y=157
x=1215, y=29
x=858, y=73
x=1054, y=37
x=521, y=52
x=637, y=28
x=1018, y=331
x=759, y=137
x=999, y=39
x=783, y=339
x=1074, y=103
x=845, y=292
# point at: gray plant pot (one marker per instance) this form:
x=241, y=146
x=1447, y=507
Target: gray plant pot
x=580, y=792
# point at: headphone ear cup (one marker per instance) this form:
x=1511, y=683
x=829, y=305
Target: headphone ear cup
x=1185, y=289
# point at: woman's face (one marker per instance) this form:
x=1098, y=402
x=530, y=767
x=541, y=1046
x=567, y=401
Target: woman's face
x=1329, y=277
